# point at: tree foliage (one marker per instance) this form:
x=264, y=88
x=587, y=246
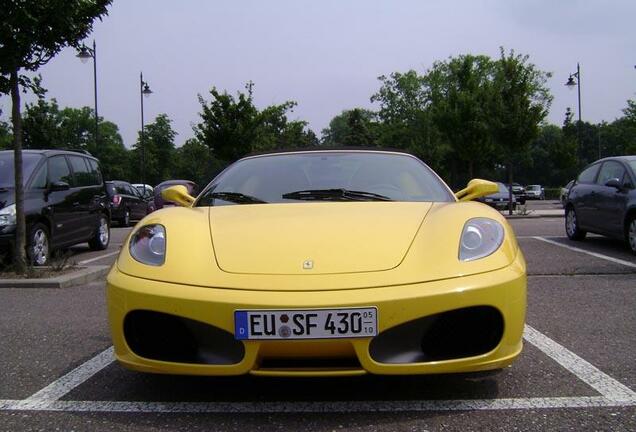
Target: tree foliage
x=233, y=126
x=31, y=33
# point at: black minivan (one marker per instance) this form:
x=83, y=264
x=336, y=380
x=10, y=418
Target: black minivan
x=64, y=202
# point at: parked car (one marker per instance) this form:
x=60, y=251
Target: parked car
x=564, y=192
x=148, y=194
x=144, y=189
x=519, y=192
x=126, y=202
x=535, y=192
x=192, y=187
x=64, y=202
x=500, y=199
x=603, y=201
x=328, y=263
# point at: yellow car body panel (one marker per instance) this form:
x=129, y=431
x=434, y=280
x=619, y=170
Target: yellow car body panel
x=409, y=271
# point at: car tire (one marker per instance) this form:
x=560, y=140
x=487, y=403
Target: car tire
x=630, y=234
x=101, y=237
x=39, y=245
x=572, y=228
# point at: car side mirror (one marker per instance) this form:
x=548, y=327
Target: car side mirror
x=615, y=183
x=59, y=186
x=477, y=188
x=178, y=194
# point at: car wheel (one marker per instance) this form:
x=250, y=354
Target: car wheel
x=39, y=248
x=631, y=234
x=572, y=228
x=126, y=220
x=101, y=238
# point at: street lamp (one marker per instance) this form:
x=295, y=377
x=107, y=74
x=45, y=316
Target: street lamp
x=570, y=84
x=144, y=91
x=84, y=54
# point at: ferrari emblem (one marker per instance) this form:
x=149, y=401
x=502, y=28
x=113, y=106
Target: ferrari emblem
x=308, y=265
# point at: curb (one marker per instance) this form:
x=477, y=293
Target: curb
x=81, y=276
x=533, y=216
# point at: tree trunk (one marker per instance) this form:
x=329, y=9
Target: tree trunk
x=510, y=187
x=20, y=230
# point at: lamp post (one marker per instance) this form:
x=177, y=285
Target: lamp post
x=570, y=84
x=144, y=91
x=84, y=54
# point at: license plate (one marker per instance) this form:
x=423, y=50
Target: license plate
x=305, y=324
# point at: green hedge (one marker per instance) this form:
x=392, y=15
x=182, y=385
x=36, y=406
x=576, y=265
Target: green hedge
x=552, y=193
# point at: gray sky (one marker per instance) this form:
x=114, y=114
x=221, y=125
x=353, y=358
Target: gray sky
x=327, y=54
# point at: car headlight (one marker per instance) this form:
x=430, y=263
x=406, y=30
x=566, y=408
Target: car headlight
x=7, y=216
x=148, y=245
x=480, y=237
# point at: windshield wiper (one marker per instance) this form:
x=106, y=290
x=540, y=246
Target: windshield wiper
x=237, y=197
x=338, y=194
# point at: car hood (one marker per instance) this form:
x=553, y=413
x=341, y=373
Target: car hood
x=314, y=238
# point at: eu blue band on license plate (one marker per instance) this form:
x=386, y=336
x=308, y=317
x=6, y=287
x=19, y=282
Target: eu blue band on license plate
x=306, y=323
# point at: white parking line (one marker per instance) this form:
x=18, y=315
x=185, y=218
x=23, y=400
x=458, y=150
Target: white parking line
x=613, y=394
x=60, y=387
x=594, y=254
x=98, y=258
x=323, y=407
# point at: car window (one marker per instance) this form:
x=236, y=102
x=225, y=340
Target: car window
x=59, y=170
x=39, y=179
x=610, y=170
x=111, y=189
x=96, y=175
x=269, y=178
x=589, y=174
x=132, y=191
x=7, y=174
x=503, y=188
x=81, y=173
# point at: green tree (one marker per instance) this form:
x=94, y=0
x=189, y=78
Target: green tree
x=405, y=120
x=357, y=126
x=233, y=126
x=45, y=125
x=194, y=161
x=518, y=104
x=5, y=134
x=31, y=33
x=458, y=91
x=154, y=160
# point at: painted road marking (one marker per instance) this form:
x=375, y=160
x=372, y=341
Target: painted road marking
x=60, y=387
x=321, y=407
x=98, y=258
x=613, y=393
x=594, y=254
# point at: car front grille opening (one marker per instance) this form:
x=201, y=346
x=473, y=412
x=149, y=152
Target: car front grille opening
x=166, y=337
x=455, y=334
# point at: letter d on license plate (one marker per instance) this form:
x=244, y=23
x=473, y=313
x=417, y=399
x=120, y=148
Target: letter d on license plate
x=306, y=324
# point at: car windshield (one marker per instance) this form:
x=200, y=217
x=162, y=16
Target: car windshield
x=533, y=187
x=7, y=173
x=325, y=176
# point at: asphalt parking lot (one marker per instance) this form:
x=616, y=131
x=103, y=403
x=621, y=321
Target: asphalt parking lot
x=577, y=371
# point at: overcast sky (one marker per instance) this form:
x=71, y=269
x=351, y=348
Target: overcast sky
x=326, y=55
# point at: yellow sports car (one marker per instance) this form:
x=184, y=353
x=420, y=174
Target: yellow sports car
x=320, y=263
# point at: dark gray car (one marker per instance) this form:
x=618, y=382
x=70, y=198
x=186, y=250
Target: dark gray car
x=603, y=201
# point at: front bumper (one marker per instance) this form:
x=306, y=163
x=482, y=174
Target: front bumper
x=503, y=290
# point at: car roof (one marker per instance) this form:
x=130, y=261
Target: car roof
x=53, y=152
x=618, y=158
